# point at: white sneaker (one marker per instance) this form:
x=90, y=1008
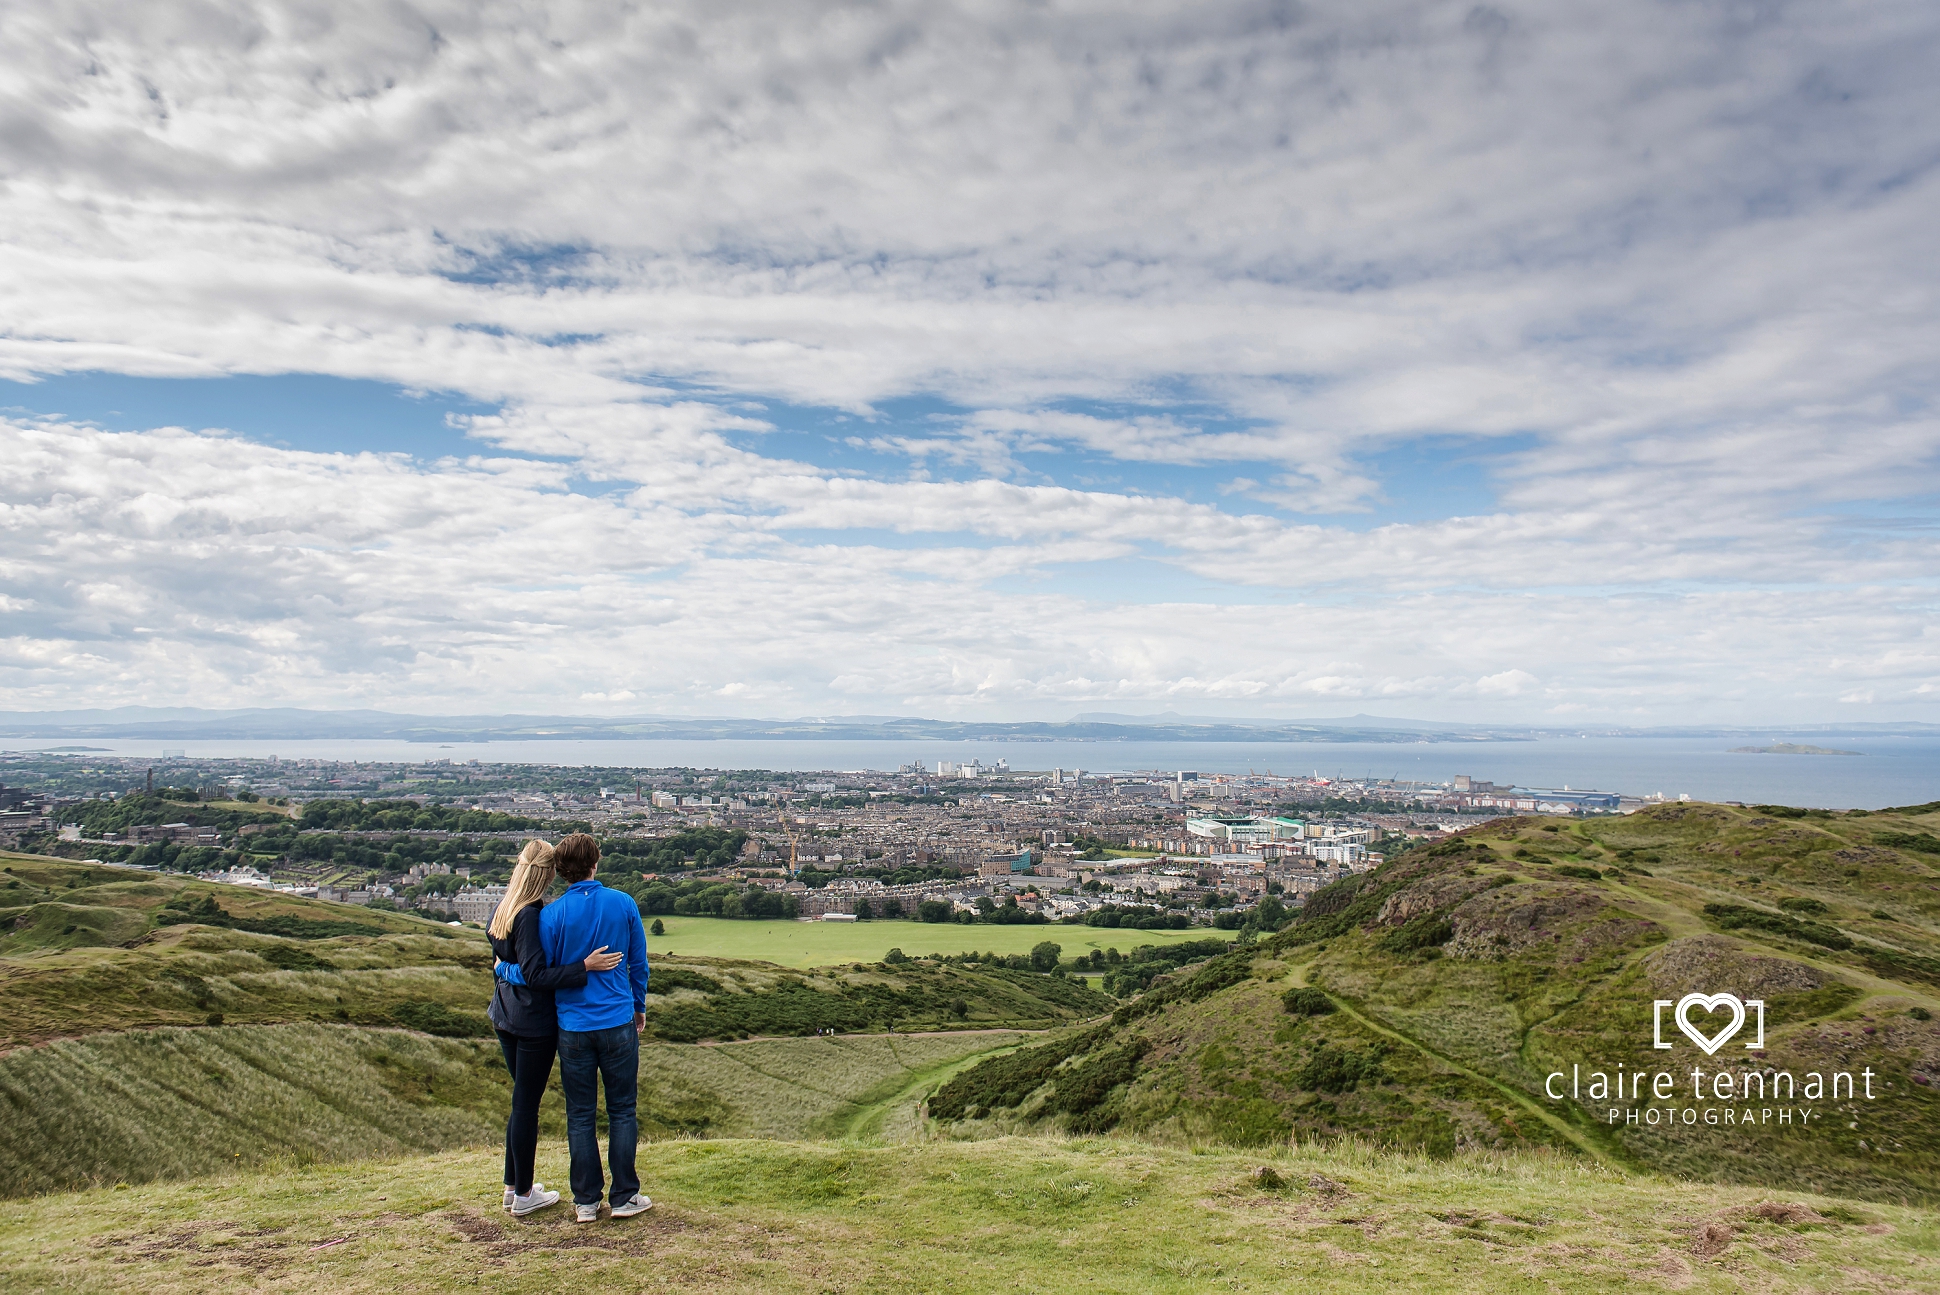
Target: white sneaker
x=532, y=1204
x=635, y=1204
x=510, y=1195
x=586, y=1213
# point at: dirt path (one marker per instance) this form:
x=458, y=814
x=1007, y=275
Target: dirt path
x=868, y=1118
x=1575, y=1136
x=890, y=1034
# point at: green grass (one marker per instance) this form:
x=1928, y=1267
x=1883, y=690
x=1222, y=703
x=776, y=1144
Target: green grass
x=190, y=975
x=1102, y=1215
x=87, y=949
x=820, y=944
x=39, y=897
x=176, y=1103
x=1466, y=972
x=181, y=975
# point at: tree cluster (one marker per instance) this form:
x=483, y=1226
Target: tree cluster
x=408, y=815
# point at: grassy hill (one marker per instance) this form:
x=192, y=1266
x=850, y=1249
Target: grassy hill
x=1354, y=1101
x=88, y=948
x=51, y=905
x=180, y=1103
x=162, y=1027
x=1099, y=1215
x=1444, y=988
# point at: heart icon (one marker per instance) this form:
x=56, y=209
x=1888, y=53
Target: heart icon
x=1710, y=1003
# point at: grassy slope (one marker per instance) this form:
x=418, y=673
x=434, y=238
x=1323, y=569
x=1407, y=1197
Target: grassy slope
x=174, y=1103
x=107, y=906
x=181, y=975
x=1099, y=1215
x=1546, y=969
x=116, y=971
x=818, y=944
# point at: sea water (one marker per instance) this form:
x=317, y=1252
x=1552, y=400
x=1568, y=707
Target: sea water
x=1890, y=770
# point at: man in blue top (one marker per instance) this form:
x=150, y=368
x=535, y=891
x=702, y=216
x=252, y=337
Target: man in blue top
x=599, y=1026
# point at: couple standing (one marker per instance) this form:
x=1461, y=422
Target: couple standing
x=572, y=979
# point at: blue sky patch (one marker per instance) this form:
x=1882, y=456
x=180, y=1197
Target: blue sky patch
x=298, y=411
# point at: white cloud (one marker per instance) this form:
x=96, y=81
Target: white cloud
x=1508, y=683
x=1665, y=267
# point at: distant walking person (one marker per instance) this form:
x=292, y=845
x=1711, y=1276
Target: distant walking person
x=599, y=1027
x=522, y=1013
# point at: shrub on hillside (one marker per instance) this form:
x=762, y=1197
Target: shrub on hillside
x=294, y=957
x=1918, y=842
x=1340, y=1070
x=1428, y=931
x=1083, y=1091
x=1307, y=1002
x=1223, y=972
x=1902, y=966
x=1801, y=904
x=667, y=979
x=1006, y=1081
x=1733, y=917
x=1331, y=898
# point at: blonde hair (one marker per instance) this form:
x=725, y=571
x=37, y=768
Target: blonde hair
x=530, y=880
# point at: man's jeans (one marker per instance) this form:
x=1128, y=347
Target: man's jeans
x=613, y=1056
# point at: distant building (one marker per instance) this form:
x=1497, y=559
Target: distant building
x=241, y=875
x=1246, y=831
x=147, y=833
x=1004, y=865
x=477, y=904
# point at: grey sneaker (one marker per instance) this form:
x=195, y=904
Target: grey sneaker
x=586, y=1213
x=509, y=1194
x=634, y=1204
x=538, y=1200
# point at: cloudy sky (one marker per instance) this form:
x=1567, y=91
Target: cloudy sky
x=1539, y=362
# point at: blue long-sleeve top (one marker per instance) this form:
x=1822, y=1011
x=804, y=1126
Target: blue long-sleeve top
x=522, y=1003
x=590, y=916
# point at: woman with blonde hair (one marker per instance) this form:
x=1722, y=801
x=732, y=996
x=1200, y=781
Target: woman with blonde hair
x=522, y=1012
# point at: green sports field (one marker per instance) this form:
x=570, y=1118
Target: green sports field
x=817, y=944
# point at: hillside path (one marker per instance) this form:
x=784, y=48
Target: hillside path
x=889, y=1034
x=1561, y=1126
x=872, y=1110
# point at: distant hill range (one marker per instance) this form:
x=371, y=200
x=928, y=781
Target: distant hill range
x=268, y=724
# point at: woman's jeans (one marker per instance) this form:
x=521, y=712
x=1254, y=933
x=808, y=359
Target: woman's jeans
x=611, y=1057
x=530, y=1061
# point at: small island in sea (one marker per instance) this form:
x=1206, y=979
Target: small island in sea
x=1789, y=748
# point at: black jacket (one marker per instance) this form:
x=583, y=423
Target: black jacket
x=527, y=1009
